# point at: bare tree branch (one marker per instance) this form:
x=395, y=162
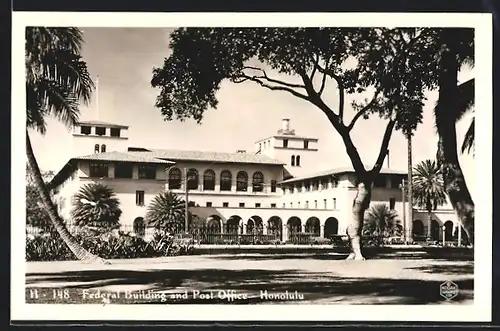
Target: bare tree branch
x=327, y=72
x=256, y=79
x=363, y=111
x=316, y=63
x=384, y=147
x=272, y=80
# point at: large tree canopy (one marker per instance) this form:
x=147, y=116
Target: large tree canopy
x=390, y=62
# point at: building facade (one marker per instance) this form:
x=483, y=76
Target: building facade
x=268, y=190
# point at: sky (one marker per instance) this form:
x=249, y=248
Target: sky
x=124, y=59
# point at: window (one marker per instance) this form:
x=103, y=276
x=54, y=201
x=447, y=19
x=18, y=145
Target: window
x=395, y=182
x=307, y=204
x=379, y=181
x=192, y=179
x=284, y=205
x=291, y=204
x=307, y=186
x=209, y=180
x=257, y=205
x=147, y=171
x=315, y=185
x=241, y=181
x=115, y=132
x=315, y=204
x=334, y=203
x=273, y=205
x=306, y=144
x=225, y=204
x=139, y=198
x=297, y=160
x=96, y=148
x=209, y=204
x=99, y=170
x=85, y=129
x=324, y=184
x=392, y=203
x=324, y=203
x=292, y=160
x=298, y=204
x=103, y=148
x=225, y=181
x=257, y=182
x=100, y=131
x=299, y=188
x=123, y=170
x=285, y=143
x=174, y=179
x=242, y=205
x=273, y=186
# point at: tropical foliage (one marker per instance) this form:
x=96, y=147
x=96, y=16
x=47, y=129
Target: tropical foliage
x=428, y=188
x=382, y=222
x=167, y=212
x=36, y=215
x=96, y=205
x=57, y=80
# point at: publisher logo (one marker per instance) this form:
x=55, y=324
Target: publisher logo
x=448, y=290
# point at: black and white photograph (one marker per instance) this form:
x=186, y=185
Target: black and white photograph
x=294, y=166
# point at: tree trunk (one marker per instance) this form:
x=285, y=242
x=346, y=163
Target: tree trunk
x=447, y=155
x=58, y=223
x=429, y=225
x=409, y=226
x=355, y=227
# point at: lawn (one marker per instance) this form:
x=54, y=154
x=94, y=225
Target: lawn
x=253, y=279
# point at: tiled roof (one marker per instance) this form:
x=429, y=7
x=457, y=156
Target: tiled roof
x=102, y=123
x=123, y=157
x=216, y=157
x=337, y=171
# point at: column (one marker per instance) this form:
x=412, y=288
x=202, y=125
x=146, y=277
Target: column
x=459, y=234
x=322, y=231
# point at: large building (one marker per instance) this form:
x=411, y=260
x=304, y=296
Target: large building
x=275, y=189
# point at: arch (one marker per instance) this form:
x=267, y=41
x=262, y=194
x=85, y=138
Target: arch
x=96, y=148
x=293, y=160
x=297, y=160
x=257, y=181
x=174, y=179
x=418, y=228
x=209, y=180
x=331, y=227
x=192, y=179
x=225, y=180
x=214, y=223
x=275, y=227
x=448, y=230
x=255, y=225
x=241, y=181
x=233, y=224
x=294, y=224
x=435, y=229
x=103, y=148
x=139, y=227
x=313, y=226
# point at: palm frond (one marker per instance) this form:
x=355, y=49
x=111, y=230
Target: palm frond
x=469, y=139
x=428, y=185
x=96, y=204
x=166, y=211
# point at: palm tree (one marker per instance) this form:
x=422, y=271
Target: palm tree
x=96, y=205
x=382, y=222
x=428, y=189
x=166, y=212
x=456, y=48
x=56, y=81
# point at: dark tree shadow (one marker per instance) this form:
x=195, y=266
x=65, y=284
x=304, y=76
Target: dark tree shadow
x=315, y=287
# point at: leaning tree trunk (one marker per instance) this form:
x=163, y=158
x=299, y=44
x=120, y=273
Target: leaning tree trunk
x=447, y=155
x=355, y=227
x=59, y=225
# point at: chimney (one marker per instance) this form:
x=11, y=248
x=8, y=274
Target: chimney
x=285, y=125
